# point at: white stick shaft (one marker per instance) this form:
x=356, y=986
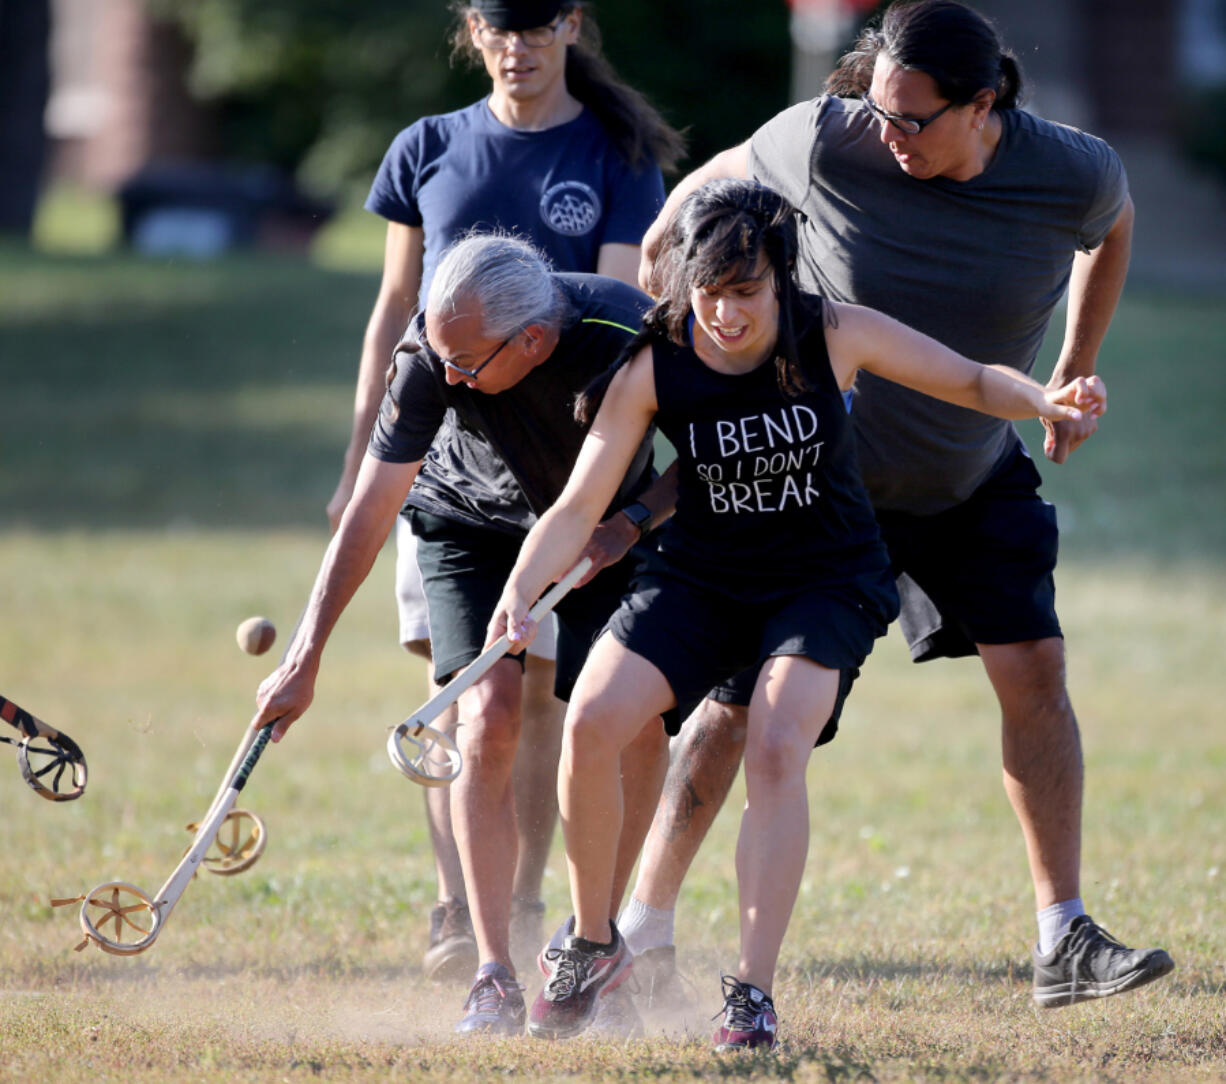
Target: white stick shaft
x=463, y=681
x=168, y=895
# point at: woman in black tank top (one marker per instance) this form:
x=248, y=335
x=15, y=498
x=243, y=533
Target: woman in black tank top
x=771, y=564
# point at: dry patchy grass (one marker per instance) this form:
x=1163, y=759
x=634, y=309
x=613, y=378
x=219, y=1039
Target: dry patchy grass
x=907, y=956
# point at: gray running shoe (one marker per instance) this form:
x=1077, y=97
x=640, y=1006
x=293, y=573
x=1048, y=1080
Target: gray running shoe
x=1087, y=962
x=452, y=955
x=495, y=1004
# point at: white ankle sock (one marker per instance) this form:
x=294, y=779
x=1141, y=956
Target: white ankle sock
x=645, y=927
x=1054, y=922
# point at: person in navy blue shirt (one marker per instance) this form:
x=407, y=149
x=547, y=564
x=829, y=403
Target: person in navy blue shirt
x=564, y=154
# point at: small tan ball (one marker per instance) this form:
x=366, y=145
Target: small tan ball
x=255, y=635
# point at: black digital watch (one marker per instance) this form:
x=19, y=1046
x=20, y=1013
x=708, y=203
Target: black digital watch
x=640, y=515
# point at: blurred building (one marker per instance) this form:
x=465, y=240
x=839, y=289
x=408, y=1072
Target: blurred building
x=1119, y=68
x=121, y=119
x=119, y=98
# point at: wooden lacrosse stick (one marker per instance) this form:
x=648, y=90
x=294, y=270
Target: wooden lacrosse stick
x=44, y=755
x=138, y=918
x=240, y=842
x=436, y=760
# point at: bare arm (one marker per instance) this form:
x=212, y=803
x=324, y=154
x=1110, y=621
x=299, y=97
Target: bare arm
x=619, y=261
x=613, y=538
x=734, y=162
x=402, y=271
x=558, y=539
x=1094, y=291
x=867, y=339
x=380, y=490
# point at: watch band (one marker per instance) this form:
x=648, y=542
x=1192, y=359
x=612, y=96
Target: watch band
x=640, y=515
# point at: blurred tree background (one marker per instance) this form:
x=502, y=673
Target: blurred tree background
x=319, y=87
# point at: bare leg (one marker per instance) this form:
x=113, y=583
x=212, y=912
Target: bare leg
x=536, y=776
x=705, y=758
x=791, y=703
x=643, y=766
x=483, y=805
x=617, y=694
x=449, y=875
x=447, y=866
x=1041, y=753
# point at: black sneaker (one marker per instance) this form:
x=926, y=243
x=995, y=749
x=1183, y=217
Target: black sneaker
x=1088, y=962
x=748, y=1020
x=452, y=955
x=660, y=986
x=580, y=972
x=495, y=1004
x=616, y=1018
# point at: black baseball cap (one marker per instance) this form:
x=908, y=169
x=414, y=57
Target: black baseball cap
x=518, y=14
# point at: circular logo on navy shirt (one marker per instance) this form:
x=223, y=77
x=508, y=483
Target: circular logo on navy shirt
x=571, y=207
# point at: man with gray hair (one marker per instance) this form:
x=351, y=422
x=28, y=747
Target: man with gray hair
x=476, y=437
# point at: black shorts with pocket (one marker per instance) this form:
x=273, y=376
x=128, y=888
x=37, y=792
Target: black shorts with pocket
x=705, y=643
x=980, y=572
x=464, y=569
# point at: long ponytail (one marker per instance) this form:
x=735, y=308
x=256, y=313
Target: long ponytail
x=959, y=48
x=638, y=130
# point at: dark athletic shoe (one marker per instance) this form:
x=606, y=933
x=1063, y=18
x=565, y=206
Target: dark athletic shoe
x=661, y=988
x=452, y=955
x=616, y=1018
x=749, y=1021
x=495, y=1004
x=1088, y=962
x=579, y=974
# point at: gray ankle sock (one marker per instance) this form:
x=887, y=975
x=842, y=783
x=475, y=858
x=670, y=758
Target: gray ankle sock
x=645, y=927
x=1054, y=922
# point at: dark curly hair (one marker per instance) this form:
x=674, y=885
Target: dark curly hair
x=718, y=235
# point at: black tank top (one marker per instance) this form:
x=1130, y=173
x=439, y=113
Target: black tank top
x=770, y=499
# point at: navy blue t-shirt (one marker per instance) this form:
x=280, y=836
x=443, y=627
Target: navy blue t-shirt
x=565, y=189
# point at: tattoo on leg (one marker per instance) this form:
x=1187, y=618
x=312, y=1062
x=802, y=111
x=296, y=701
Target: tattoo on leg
x=682, y=801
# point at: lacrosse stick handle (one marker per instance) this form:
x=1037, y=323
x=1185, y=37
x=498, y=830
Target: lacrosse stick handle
x=168, y=895
x=476, y=669
x=251, y=736
x=31, y=726
x=64, y=753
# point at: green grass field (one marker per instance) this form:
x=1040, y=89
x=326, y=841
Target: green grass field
x=171, y=432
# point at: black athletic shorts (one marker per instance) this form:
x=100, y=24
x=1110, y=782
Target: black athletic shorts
x=464, y=569
x=980, y=572
x=699, y=638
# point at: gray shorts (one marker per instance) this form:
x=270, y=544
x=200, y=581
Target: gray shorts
x=411, y=599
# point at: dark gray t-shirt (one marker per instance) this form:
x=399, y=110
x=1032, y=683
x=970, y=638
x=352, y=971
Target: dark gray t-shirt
x=499, y=461
x=979, y=265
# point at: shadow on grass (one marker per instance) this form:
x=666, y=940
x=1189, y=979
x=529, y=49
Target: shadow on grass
x=145, y=393
x=141, y=393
